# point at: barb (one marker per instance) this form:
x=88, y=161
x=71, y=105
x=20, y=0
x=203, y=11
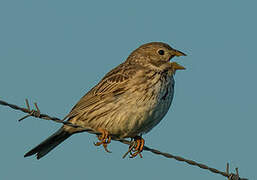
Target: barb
x=37, y=114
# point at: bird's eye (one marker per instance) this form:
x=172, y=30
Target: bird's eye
x=161, y=52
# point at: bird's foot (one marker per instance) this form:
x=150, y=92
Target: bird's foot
x=137, y=147
x=104, y=139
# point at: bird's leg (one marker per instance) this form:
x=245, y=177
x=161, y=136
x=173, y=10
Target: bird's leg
x=138, y=147
x=104, y=139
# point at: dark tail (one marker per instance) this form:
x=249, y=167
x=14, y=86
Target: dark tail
x=50, y=143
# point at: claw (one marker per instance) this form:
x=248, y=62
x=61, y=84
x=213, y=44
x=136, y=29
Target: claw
x=104, y=139
x=138, y=147
x=105, y=147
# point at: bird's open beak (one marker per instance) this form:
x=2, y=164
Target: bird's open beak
x=175, y=65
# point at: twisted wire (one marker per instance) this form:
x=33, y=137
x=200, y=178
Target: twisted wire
x=36, y=113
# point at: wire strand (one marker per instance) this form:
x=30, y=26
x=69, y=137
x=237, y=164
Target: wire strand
x=37, y=114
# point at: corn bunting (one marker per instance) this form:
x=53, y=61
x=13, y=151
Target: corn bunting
x=129, y=101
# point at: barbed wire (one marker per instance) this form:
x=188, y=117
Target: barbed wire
x=37, y=114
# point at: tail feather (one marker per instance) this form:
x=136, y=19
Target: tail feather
x=50, y=143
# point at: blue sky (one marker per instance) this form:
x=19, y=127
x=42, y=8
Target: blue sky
x=53, y=52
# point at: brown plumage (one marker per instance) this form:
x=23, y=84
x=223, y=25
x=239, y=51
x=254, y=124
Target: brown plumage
x=130, y=100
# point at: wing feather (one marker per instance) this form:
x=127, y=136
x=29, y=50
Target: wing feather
x=113, y=84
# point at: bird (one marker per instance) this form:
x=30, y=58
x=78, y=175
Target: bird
x=128, y=102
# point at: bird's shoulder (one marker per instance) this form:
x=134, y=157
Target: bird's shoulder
x=113, y=84
x=116, y=78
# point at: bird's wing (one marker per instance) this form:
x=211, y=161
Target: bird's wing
x=113, y=84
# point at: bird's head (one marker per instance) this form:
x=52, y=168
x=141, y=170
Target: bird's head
x=156, y=55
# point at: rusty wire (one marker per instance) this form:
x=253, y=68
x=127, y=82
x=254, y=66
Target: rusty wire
x=36, y=113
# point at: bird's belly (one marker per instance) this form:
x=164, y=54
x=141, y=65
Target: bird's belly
x=135, y=112
x=155, y=115
x=143, y=114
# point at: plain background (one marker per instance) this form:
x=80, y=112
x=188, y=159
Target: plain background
x=53, y=52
